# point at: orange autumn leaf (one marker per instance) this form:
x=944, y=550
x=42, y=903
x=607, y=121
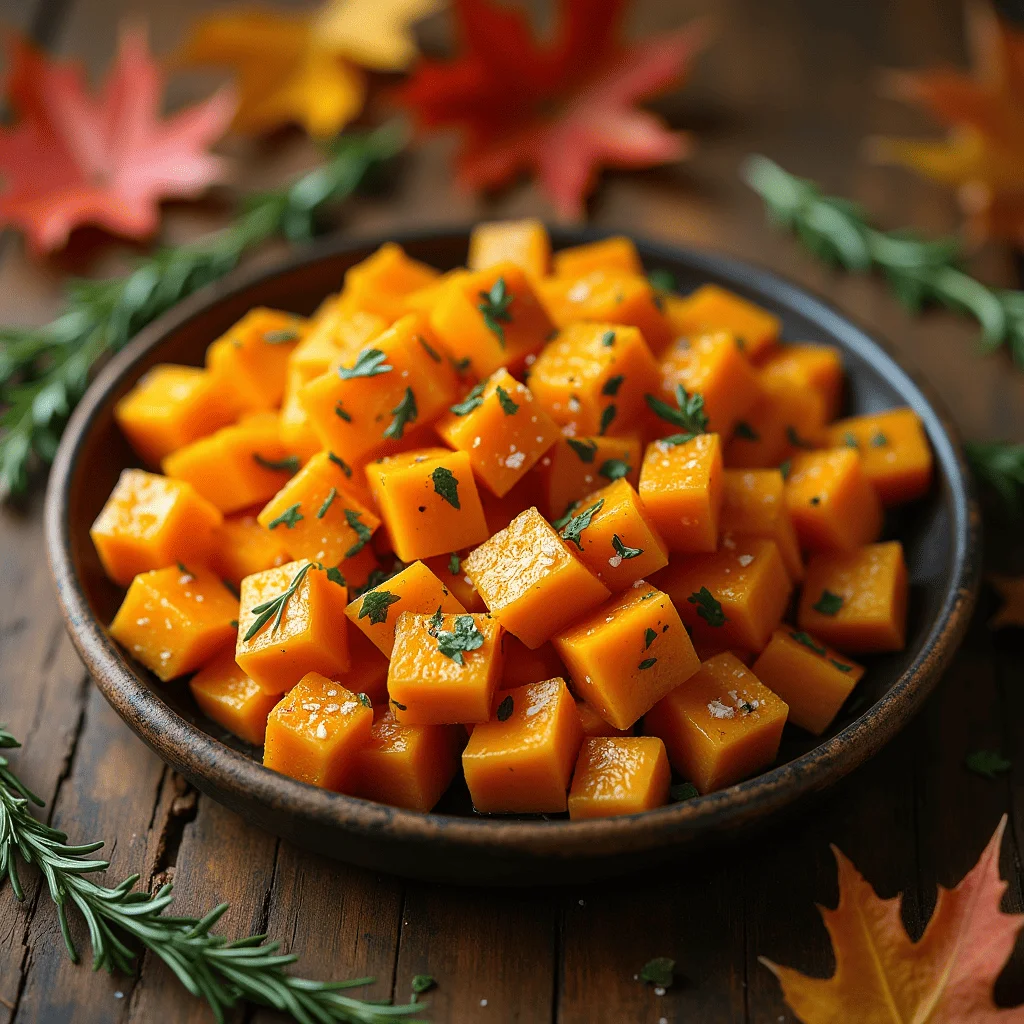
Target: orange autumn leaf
x=561, y=109
x=982, y=155
x=882, y=977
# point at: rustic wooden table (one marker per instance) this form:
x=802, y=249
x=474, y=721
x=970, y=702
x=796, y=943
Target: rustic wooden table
x=795, y=79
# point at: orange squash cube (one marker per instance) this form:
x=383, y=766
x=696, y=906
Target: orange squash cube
x=490, y=318
x=502, y=428
x=754, y=505
x=429, y=501
x=810, y=677
x=521, y=760
x=499, y=512
x=407, y=766
x=576, y=466
x=627, y=654
x=448, y=569
x=856, y=601
x=815, y=367
x=293, y=424
x=712, y=308
x=721, y=726
x=523, y=665
x=149, y=522
x=681, y=487
x=619, y=775
x=621, y=545
x=831, y=502
x=444, y=669
x=292, y=621
x=616, y=254
x=414, y=589
x=252, y=357
x=594, y=725
x=522, y=242
x=530, y=581
x=316, y=731
x=382, y=281
x=172, y=406
x=318, y=517
x=894, y=452
x=227, y=696
x=592, y=378
x=174, y=620
x=380, y=393
x=368, y=668
x=242, y=547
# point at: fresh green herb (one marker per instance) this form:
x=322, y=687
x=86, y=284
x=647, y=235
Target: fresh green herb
x=405, y=413
x=508, y=407
x=746, y=431
x=784, y=468
x=988, y=763
x=688, y=413
x=364, y=699
x=850, y=440
x=808, y=641
x=363, y=532
x=335, y=576
x=328, y=501
x=473, y=400
x=341, y=413
x=564, y=518
x=816, y=500
x=375, y=605
x=650, y=635
x=662, y=280
x=340, y=463
x=460, y=366
x=494, y=307
x=608, y=339
x=184, y=570
x=289, y=464
x=505, y=709
x=741, y=343
x=614, y=469
x=660, y=971
x=1000, y=466
x=369, y=363
x=454, y=562
x=839, y=665
x=683, y=791
x=280, y=337
x=708, y=608
x=377, y=578
x=585, y=450
x=612, y=385
x=401, y=707
x=623, y=550
x=606, y=419
x=465, y=637
x=446, y=484
x=429, y=349
x=275, y=607
x=828, y=603
x=421, y=983
x=795, y=439
x=578, y=523
x=289, y=517
x=878, y=440
x=436, y=622
x=647, y=663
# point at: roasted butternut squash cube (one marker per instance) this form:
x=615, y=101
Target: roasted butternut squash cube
x=174, y=620
x=227, y=696
x=812, y=679
x=499, y=512
x=754, y=505
x=414, y=589
x=382, y=281
x=242, y=547
x=712, y=308
x=490, y=318
x=444, y=669
x=733, y=598
x=521, y=760
x=831, y=502
x=594, y=725
x=448, y=569
x=612, y=297
x=292, y=621
x=721, y=726
x=502, y=428
x=522, y=242
x=615, y=254
x=894, y=452
x=252, y=357
x=681, y=488
x=238, y=466
x=530, y=581
x=429, y=501
x=856, y=601
x=293, y=424
x=619, y=775
x=318, y=517
x=592, y=378
x=151, y=521
x=316, y=731
x=172, y=406
x=368, y=668
x=621, y=545
x=576, y=466
x=380, y=393
x=406, y=765
x=523, y=665
x=817, y=367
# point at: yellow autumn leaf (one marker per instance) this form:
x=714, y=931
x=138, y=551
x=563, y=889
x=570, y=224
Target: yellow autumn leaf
x=373, y=34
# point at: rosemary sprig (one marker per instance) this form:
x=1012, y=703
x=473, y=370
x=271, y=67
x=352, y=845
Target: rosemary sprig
x=918, y=271
x=275, y=607
x=44, y=370
x=122, y=922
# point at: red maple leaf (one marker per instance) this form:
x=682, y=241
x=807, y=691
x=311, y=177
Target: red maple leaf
x=74, y=158
x=562, y=109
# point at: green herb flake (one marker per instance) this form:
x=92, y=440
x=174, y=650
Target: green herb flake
x=369, y=363
x=364, y=699
x=614, y=469
x=662, y=280
x=816, y=500
x=281, y=337
x=708, y=608
x=784, y=468
x=650, y=635
x=508, y=407
x=840, y=665
x=422, y=983
x=404, y=413
x=505, y=709
x=808, y=641
x=495, y=309
x=229, y=587
x=341, y=464
x=341, y=412
x=428, y=348
x=472, y=401
x=647, y=663
x=683, y=791
x=795, y=439
x=275, y=607
x=564, y=518
x=687, y=414
x=460, y=366
x=375, y=606
x=289, y=517
x=436, y=622
x=446, y=485
x=335, y=576
x=659, y=972
x=289, y=464
x=185, y=571
x=577, y=524
x=401, y=707
x=878, y=440
x=745, y=431
x=608, y=339
x=585, y=450
x=828, y=603
x=465, y=637
x=623, y=550
x=233, y=623
x=363, y=532
x=454, y=562
x=328, y=501
x=607, y=417
x=850, y=440
x=612, y=385
x=987, y=763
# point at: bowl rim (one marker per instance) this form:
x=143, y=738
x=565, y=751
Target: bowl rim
x=203, y=759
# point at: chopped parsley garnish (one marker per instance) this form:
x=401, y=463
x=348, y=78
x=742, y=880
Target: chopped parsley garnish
x=460, y=366
x=828, y=603
x=659, y=971
x=342, y=413
x=375, y=605
x=275, y=607
x=879, y=440
x=184, y=570
x=465, y=637
x=839, y=665
x=335, y=576
x=795, y=439
x=614, y=469
x=647, y=663
x=586, y=450
x=328, y=501
x=508, y=407
x=612, y=385
x=623, y=550
x=364, y=700
x=454, y=562
x=494, y=308
x=709, y=609
x=784, y=468
x=572, y=529
x=683, y=791
x=446, y=485
x=428, y=348
x=987, y=763
x=688, y=413
x=606, y=419
x=405, y=413
x=378, y=577
x=472, y=401
x=650, y=635
x=436, y=621
x=281, y=337
x=850, y=440
x=233, y=623
x=401, y=707
x=809, y=642
x=289, y=517
x=363, y=532
x=608, y=339
x=369, y=363
x=566, y=515
x=340, y=463
x=746, y=431
x=505, y=709
x=662, y=280
x=289, y=464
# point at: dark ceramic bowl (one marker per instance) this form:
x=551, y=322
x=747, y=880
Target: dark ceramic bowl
x=940, y=533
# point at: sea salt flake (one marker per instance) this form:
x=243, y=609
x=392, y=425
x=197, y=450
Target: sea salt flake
x=720, y=710
x=615, y=561
x=321, y=731
x=745, y=560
